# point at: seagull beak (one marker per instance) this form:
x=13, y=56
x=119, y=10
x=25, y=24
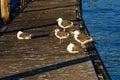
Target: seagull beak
x=72, y=32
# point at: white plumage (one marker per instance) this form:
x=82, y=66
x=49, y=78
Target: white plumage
x=21, y=35
x=71, y=48
x=64, y=23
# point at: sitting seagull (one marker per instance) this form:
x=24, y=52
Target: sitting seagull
x=21, y=35
x=61, y=35
x=82, y=38
x=64, y=23
x=71, y=48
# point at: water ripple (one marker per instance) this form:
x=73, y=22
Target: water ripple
x=102, y=18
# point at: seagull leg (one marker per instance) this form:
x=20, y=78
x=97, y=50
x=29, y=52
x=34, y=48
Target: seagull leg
x=60, y=41
x=84, y=46
x=64, y=29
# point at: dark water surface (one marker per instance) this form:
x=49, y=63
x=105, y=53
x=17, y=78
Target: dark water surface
x=102, y=18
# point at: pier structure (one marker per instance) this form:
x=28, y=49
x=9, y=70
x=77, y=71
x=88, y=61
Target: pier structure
x=42, y=57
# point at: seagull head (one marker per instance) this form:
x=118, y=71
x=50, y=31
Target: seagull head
x=56, y=30
x=59, y=19
x=71, y=44
x=76, y=32
x=19, y=32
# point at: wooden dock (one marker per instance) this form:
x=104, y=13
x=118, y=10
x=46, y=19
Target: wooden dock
x=42, y=57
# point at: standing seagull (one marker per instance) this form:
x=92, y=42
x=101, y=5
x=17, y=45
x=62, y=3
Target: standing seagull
x=82, y=38
x=21, y=35
x=61, y=35
x=64, y=23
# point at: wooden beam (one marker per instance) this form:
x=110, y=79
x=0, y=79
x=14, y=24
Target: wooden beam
x=5, y=11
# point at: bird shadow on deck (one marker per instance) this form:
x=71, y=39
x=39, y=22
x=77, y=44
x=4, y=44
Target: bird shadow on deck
x=40, y=36
x=46, y=69
x=27, y=28
x=41, y=26
x=1, y=32
x=48, y=8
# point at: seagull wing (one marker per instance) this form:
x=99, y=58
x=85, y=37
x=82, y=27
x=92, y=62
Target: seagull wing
x=75, y=48
x=25, y=35
x=63, y=34
x=66, y=23
x=83, y=37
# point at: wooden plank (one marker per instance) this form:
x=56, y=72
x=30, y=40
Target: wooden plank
x=42, y=57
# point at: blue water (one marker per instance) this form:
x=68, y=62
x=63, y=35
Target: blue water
x=102, y=18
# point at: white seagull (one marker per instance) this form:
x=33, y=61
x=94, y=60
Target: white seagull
x=71, y=48
x=61, y=35
x=21, y=35
x=82, y=38
x=64, y=23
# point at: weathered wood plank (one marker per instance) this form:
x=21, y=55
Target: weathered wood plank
x=42, y=57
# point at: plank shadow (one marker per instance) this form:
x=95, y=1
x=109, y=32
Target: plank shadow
x=46, y=69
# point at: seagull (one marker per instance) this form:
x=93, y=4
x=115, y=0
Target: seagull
x=71, y=48
x=21, y=35
x=61, y=35
x=82, y=38
x=64, y=23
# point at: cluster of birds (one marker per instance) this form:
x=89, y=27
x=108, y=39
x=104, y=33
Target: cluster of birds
x=78, y=36
x=63, y=34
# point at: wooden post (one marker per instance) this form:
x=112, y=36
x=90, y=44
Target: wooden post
x=5, y=11
x=23, y=3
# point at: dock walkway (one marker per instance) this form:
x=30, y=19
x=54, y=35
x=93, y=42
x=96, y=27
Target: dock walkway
x=42, y=57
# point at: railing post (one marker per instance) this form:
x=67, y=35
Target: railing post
x=23, y=3
x=5, y=11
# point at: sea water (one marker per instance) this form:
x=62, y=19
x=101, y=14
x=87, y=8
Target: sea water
x=102, y=18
